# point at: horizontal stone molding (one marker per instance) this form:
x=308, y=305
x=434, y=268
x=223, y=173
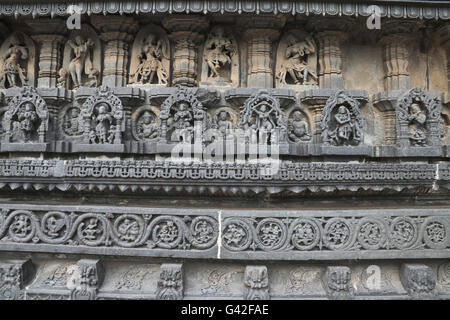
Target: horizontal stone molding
x=151, y=176
x=400, y=9
x=227, y=234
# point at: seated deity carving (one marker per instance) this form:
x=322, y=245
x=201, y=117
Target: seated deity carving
x=342, y=122
x=146, y=126
x=72, y=122
x=298, y=128
x=417, y=119
x=12, y=70
x=223, y=122
x=297, y=61
x=150, y=58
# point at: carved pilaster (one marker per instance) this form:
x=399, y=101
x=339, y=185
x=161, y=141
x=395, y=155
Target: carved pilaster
x=90, y=278
x=117, y=34
x=386, y=102
x=170, y=283
x=445, y=40
x=14, y=275
x=256, y=281
x=50, y=59
x=330, y=59
x=260, y=33
x=330, y=35
x=395, y=37
x=186, y=35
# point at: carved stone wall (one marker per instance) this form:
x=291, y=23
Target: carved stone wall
x=172, y=149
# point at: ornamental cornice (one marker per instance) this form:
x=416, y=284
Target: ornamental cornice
x=406, y=10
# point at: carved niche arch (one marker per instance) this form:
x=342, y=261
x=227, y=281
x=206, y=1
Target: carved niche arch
x=150, y=54
x=418, y=119
x=27, y=114
x=86, y=43
x=176, y=124
x=18, y=55
x=342, y=122
x=220, y=46
x=262, y=117
x=296, y=59
x=103, y=118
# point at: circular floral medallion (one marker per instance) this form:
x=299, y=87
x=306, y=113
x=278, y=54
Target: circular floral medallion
x=55, y=225
x=304, y=234
x=22, y=227
x=271, y=233
x=128, y=229
x=204, y=232
x=236, y=235
x=92, y=229
x=337, y=234
x=435, y=232
x=167, y=232
x=403, y=232
x=371, y=233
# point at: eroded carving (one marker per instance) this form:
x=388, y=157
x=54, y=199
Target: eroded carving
x=297, y=60
x=82, y=60
x=144, y=124
x=261, y=115
x=180, y=114
x=89, y=278
x=298, y=126
x=221, y=59
x=418, y=119
x=27, y=118
x=418, y=280
x=170, y=283
x=256, y=281
x=102, y=116
x=150, y=60
x=342, y=123
x=337, y=282
x=14, y=61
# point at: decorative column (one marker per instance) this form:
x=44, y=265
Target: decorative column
x=395, y=37
x=117, y=34
x=186, y=35
x=330, y=35
x=49, y=36
x=50, y=59
x=260, y=33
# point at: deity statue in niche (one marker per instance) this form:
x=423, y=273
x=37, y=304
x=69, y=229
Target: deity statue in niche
x=222, y=123
x=298, y=128
x=219, y=50
x=152, y=52
x=296, y=64
x=183, y=122
x=104, y=128
x=342, y=122
x=417, y=119
x=146, y=126
x=262, y=113
x=27, y=118
x=73, y=125
x=346, y=128
x=11, y=69
x=82, y=63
